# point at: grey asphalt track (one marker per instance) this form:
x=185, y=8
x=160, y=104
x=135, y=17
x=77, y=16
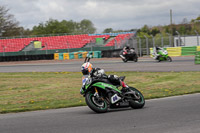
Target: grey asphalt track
x=144, y=64
x=180, y=114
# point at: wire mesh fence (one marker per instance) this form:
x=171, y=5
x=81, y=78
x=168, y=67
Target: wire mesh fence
x=143, y=44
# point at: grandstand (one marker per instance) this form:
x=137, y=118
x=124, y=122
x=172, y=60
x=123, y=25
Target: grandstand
x=62, y=43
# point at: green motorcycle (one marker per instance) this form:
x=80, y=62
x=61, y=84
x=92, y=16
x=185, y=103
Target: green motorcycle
x=100, y=95
x=160, y=54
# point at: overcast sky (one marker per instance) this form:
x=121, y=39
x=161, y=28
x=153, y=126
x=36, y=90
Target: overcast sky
x=116, y=14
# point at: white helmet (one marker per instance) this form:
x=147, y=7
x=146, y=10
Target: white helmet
x=86, y=68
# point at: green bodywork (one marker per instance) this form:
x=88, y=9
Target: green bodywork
x=163, y=56
x=103, y=86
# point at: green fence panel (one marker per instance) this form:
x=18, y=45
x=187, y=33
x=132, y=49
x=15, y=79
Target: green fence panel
x=188, y=50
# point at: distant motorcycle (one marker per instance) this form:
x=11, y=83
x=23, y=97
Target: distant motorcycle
x=130, y=55
x=160, y=54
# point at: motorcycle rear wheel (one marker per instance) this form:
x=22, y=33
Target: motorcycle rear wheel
x=139, y=102
x=94, y=103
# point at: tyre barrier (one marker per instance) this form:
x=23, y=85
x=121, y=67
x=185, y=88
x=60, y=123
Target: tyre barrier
x=76, y=55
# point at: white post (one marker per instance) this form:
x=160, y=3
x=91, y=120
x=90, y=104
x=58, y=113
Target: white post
x=179, y=38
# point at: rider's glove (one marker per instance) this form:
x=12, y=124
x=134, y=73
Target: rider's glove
x=82, y=91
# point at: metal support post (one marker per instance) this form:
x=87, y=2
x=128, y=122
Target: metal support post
x=140, y=52
x=147, y=44
x=153, y=40
x=179, y=38
x=197, y=37
x=170, y=40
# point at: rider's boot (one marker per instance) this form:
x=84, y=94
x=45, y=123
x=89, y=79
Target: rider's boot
x=125, y=88
x=122, y=57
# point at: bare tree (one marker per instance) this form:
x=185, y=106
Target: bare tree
x=8, y=24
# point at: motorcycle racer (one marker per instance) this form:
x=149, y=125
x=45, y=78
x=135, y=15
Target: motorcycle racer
x=88, y=70
x=155, y=52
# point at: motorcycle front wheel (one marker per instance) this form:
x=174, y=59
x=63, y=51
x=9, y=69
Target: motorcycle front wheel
x=169, y=59
x=136, y=59
x=97, y=104
x=125, y=60
x=138, y=101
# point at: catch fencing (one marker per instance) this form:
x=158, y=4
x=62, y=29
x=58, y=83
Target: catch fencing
x=142, y=44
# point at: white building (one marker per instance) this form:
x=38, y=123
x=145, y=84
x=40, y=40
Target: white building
x=186, y=41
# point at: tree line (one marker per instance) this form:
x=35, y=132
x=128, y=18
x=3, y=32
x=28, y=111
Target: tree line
x=9, y=26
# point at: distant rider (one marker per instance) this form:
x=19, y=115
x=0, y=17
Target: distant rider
x=155, y=52
x=125, y=51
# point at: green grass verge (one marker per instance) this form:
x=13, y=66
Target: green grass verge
x=49, y=90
